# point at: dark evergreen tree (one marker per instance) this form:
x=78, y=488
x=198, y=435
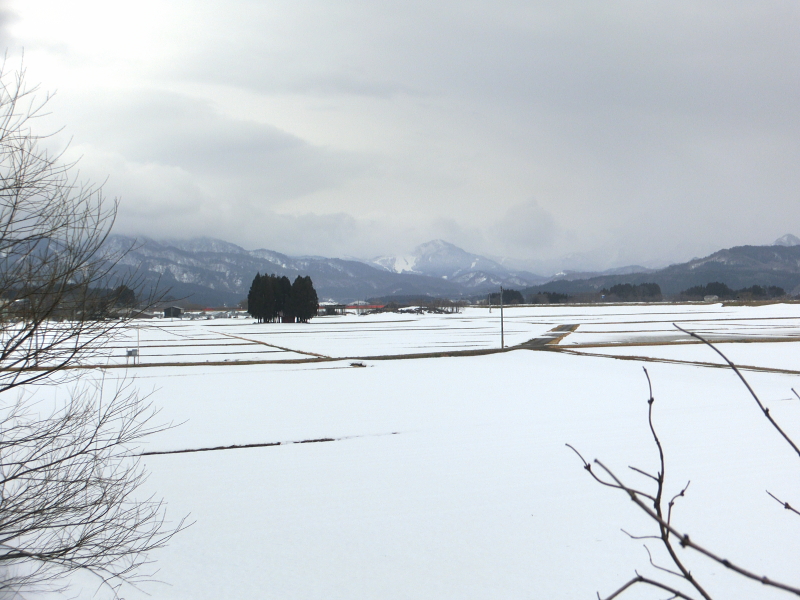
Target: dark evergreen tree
x=267, y=296
x=254, y=304
x=283, y=289
x=303, y=300
x=272, y=298
x=311, y=303
x=124, y=296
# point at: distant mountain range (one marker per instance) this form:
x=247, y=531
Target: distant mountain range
x=213, y=272
x=738, y=267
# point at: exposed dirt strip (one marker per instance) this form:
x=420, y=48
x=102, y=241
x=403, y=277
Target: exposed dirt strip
x=558, y=333
x=287, y=361
x=686, y=342
x=238, y=337
x=261, y=445
x=439, y=354
x=676, y=361
x=684, y=320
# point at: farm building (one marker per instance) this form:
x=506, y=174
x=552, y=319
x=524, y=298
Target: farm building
x=172, y=312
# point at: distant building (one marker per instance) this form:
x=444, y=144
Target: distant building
x=330, y=308
x=711, y=298
x=361, y=307
x=172, y=312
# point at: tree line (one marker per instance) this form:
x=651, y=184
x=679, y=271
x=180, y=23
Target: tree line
x=509, y=297
x=273, y=299
x=627, y=292
x=723, y=292
x=651, y=292
x=622, y=292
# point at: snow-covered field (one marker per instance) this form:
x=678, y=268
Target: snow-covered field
x=449, y=477
x=340, y=336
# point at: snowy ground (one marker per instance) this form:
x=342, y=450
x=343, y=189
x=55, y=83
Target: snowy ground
x=165, y=340
x=450, y=478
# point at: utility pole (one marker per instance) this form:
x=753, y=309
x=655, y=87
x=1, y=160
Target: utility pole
x=502, y=338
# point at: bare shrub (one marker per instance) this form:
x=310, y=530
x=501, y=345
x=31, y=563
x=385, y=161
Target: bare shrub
x=68, y=481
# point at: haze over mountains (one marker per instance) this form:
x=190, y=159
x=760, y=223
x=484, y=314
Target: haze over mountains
x=213, y=272
x=472, y=271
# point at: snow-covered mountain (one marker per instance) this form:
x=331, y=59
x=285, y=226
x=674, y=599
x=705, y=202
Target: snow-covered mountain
x=214, y=272
x=442, y=259
x=576, y=275
x=787, y=240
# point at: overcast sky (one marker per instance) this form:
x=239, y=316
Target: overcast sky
x=575, y=134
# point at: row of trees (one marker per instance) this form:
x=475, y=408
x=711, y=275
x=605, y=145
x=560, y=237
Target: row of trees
x=630, y=292
x=623, y=292
x=272, y=299
x=509, y=297
x=548, y=298
x=723, y=292
x=651, y=292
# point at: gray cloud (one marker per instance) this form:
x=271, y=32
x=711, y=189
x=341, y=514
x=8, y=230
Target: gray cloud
x=7, y=17
x=236, y=161
x=524, y=230
x=647, y=133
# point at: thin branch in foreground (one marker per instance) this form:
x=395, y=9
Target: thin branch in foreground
x=646, y=581
x=735, y=369
x=651, y=505
x=687, y=542
x=660, y=568
x=785, y=505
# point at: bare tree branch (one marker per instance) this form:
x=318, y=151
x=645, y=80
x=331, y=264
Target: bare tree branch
x=686, y=542
x=763, y=408
x=646, y=581
x=785, y=505
x=652, y=506
x=69, y=482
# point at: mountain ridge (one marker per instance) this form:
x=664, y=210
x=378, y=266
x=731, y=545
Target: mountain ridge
x=214, y=272
x=210, y=271
x=737, y=267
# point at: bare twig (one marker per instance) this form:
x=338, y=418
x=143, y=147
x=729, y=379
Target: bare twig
x=657, y=503
x=680, y=494
x=641, y=537
x=646, y=581
x=652, y=506
x=660, y=568
x=67, y=481
x=686, y=542
x=645, y=473
x=763, y=408
x=785, y=505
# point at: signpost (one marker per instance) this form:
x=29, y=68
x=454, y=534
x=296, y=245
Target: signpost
x=502, y=337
